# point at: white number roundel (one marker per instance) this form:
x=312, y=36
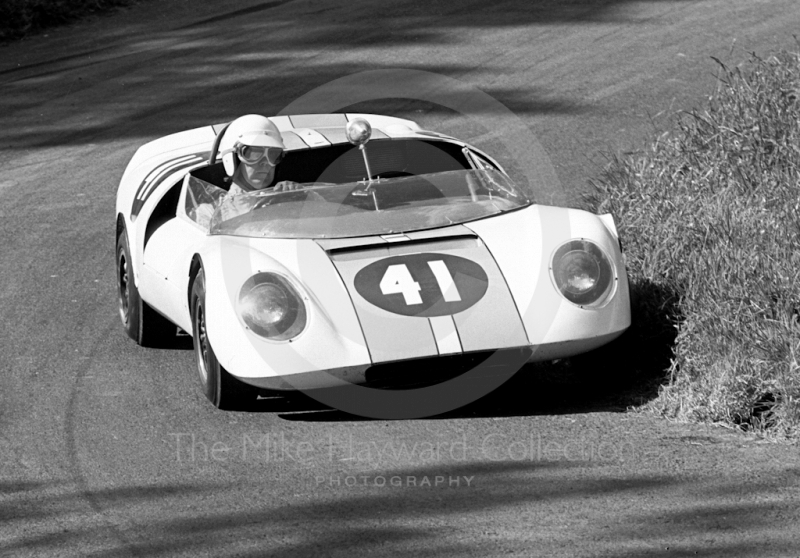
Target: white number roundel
x=422, y=284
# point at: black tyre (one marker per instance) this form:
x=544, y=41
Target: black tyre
x=142, y=324
x=223, y=390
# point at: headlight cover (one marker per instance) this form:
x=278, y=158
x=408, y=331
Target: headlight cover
x=271, y=307
x=582, y=273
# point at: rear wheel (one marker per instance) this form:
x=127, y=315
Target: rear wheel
x=223, y=390
x=142, y=324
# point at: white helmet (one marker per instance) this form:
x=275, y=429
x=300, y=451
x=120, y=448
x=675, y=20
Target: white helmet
x=251, y=130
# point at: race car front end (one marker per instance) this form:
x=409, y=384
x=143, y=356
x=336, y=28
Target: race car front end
x=546, y=281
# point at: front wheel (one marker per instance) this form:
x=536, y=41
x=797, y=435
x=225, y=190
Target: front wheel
x=142, y=324
x=223, y=390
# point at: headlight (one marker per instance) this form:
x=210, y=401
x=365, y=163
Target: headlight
x=583, y=273
x=271, y=307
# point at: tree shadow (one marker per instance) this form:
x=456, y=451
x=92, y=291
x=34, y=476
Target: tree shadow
x=417, y=510
x=175, y=79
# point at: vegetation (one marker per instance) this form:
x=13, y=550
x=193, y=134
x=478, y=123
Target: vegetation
x=21, y=17
x=709, y=215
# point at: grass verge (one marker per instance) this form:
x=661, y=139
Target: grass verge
x=710, y=213
x=21, y=17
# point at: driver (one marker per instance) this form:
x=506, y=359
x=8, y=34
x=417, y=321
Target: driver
x=251, y=148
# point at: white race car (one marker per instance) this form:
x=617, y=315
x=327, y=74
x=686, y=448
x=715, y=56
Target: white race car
x=414, y=246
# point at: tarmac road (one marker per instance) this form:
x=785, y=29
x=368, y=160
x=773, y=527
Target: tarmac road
x=108, y=449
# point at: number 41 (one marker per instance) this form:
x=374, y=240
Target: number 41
x=398, y=279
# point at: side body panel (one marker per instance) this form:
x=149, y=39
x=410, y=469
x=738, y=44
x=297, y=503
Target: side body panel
x=165, y=269
x=155, y=168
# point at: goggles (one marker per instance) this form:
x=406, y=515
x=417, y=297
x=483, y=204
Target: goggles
x=251, y=154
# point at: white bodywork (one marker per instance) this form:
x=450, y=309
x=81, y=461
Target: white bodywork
x=345, y=335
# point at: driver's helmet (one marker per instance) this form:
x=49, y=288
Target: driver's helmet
x=250, y=138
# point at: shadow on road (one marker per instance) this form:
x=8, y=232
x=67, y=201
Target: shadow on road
x=454, y=509
x=215, y=66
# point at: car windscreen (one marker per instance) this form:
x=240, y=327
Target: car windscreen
x=385, y=206
x=342, y=163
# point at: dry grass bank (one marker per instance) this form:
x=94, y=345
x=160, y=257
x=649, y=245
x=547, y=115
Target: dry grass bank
x=711, y=213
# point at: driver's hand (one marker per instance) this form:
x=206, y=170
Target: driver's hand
x=286, y=186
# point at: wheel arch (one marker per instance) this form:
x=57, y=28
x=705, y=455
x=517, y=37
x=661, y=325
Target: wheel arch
x=120, y=226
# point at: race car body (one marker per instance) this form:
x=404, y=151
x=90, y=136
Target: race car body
x=415, y=246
